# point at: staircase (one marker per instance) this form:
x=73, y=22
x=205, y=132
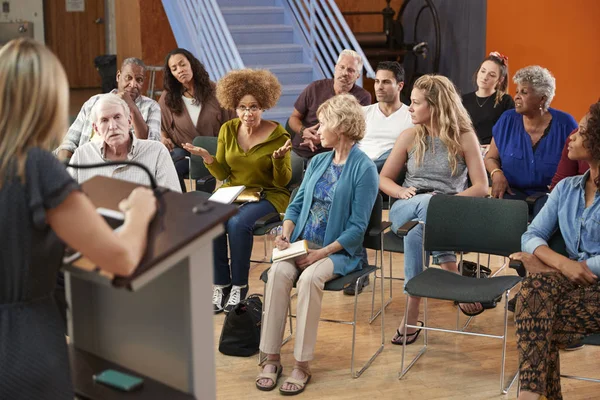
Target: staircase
x=264, y=34
x=298, y=40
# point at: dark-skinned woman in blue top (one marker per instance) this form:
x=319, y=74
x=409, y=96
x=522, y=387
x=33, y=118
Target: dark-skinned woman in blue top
x=559, y=302
x=528, y=141
x=332, y=211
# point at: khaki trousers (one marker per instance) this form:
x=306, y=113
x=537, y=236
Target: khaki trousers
x=282, y=276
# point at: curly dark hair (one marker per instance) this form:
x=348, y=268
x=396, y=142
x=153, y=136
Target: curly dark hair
x=591, y=135
x=203, y=87
x=260, y=83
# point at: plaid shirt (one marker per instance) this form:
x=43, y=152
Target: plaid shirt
x=81, y=131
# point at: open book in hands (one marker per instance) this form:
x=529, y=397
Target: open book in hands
x=294, y=250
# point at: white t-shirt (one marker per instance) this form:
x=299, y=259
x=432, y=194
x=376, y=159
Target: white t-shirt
x=192, y=109
x=382, y=131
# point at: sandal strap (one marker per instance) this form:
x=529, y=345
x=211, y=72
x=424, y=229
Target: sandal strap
x=297, y=382
x=268, y=375
x=306, y=370
x=276, y=363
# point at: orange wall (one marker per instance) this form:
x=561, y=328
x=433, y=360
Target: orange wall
x=563, y=36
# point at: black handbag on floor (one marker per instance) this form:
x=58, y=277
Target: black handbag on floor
x=240, y=335
x=469, y=268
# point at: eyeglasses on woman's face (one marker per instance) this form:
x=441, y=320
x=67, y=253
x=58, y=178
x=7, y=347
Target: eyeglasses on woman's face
x=252, y=109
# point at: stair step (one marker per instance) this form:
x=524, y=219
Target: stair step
x=259, y=34
x=289, y=74
x=279, y=114
x=252, y=15
x=289, y=95
x=269, y=54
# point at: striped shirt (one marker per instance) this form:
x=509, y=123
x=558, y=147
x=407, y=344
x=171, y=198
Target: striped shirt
x=81, y=131
x=152, y=154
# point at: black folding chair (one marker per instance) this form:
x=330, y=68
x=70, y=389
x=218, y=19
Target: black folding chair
x=467, y=224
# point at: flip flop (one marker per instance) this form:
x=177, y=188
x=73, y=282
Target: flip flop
x=299, y=383
x=410, y=338
x=274, y=376
x=472, y=314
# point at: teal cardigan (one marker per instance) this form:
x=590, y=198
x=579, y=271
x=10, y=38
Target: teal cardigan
x=351, y=206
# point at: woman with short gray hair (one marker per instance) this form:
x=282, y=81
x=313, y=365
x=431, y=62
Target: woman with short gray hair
x=528, y=141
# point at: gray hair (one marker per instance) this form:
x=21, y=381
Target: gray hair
x=133, y=61
x=353, y=54
x=541, y=80
x=110, y=99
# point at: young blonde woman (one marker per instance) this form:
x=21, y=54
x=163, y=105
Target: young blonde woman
x=41, y=208
x=439, y=152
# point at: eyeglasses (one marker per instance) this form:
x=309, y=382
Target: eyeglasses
x=251, y=109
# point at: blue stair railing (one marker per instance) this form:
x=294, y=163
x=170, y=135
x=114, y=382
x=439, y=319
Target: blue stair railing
x=327, y=33
x=199, y=27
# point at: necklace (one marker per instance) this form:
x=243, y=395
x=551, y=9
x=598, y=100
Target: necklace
x=485, y=101
x=194, y=100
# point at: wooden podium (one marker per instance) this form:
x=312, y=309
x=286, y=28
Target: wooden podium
x=157, y=323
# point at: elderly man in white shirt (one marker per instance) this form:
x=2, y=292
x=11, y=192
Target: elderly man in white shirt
x=387, y=118
x=111, y=120
x=145, y=112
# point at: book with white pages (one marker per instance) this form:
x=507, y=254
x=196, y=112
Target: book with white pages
x=226, y=195
x=294, y=250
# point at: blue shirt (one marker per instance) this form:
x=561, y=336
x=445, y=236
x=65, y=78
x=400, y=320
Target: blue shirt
x=525, y=169
x=314, y=230
x=580, y=226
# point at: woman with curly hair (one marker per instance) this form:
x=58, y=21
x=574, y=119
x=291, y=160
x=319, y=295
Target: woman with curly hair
x=253, y=152
x=490, y=100
x=331, y=211
x=439, y=152
x=528, y=141
x=559, y=301
x=188, y=106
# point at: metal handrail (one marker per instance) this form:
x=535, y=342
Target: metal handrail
x=327, y=33
x=199, y=26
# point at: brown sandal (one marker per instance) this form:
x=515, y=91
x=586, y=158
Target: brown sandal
x=299, y=383
x=274, y=376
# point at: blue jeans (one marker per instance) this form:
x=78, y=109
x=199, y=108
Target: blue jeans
x=415, y=209
x=239, y=229
x=379, y=161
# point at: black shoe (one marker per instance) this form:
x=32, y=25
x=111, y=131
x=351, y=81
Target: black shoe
x=220, y=294
x=350, y=289
x=512, y=304
x=238, y=293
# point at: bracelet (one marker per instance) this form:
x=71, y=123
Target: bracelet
x=494, y=171
x=302, y=128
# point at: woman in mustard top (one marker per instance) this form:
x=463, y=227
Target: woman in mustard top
x=252, y=152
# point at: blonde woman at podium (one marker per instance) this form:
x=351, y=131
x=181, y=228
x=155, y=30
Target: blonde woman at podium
x=41, y=209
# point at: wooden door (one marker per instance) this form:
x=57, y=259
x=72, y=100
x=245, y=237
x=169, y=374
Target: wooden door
x=76, y=37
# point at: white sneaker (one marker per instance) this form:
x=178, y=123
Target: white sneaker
x=220, y=293
x=238, y=293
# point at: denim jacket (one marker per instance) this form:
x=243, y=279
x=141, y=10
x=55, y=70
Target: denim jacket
x=580, y=226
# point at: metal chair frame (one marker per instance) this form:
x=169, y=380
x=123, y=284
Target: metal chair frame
x=460, y=330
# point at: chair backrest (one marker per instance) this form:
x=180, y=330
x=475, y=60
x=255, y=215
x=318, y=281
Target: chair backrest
x=374, y=242
x=297, y=172
x=482, y=225
x=197, y=168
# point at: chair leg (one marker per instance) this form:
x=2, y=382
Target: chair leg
x=404, y=371
x=506, y=388
x=374, y=314
x=353, y=323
